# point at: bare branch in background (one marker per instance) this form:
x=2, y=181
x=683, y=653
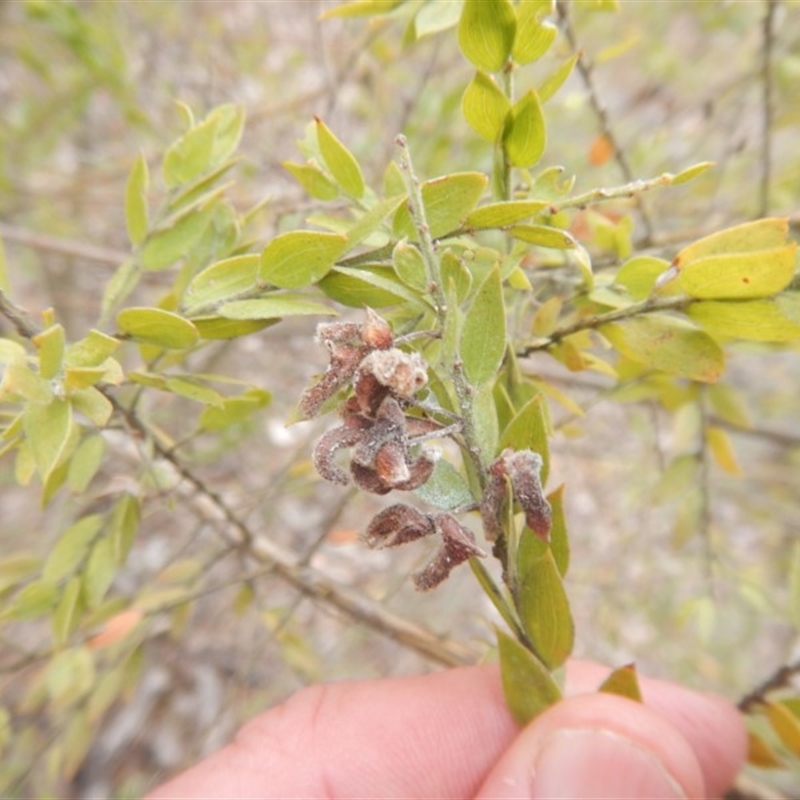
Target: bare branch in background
x=767, y=103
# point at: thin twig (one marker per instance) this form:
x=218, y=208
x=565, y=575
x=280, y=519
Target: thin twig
x=586, y=71
x=65, y=247
x=648, y=306
x=779, y=679
x=284, y=563
x=767, y=103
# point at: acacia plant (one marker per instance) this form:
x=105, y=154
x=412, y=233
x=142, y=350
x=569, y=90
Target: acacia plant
x=453, y=289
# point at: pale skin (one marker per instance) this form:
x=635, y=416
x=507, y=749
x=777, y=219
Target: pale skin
x=450, y=734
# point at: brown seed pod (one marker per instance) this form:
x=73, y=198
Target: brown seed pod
x=524, y=468
x=458, y=545
x=396, y=525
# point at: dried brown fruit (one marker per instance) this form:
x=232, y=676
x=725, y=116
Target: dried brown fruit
x=398, y=524
x=375, y=332
x=458, y=545
x=494, y=500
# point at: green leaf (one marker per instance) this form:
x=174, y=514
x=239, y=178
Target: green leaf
x=174, y=241
x=528, y=687
x=192, y=389
x=224, y=280
x=534, y=37
x=753, y=320
x=93, y=404
x=483, y=413
x=447, y=200
x=498, y=215
x=559, y=541
x=65, y=617
x=123, y=525
x=99, y=572
x=4, y=284
x=48, y=429
x=20, y=381
x=556, y=79
x=17, y=568
x=50, y=344
x=136, y=213
x=275, y=304
x=524, y=134
x=374, y=286
x=624, y=682
x=436, y=17
x=234, y=410
x=372, y=221
x=229, y=120
x=528, y=431
x=664, y=342
x=544, y=609
x=298, y=258
x=785, y=725
x=410, y=266
x=690, y=173
x=33, y=601
x=190, y=155
x=543, y=236
x=453, y=271
x=446, y=488
x=764, y=234
x=157, y=327
x=726, y=401
x=85, y=463
x=483, y=338
x=484, y=106
x=361, y=8
x=92, y=350
x=70, y=676
x=340, y=161
x=742, y=275
x=639, y=275
x=486, y=32
x=221, y=328
x=71, y=548
x=312, y=179
x=719, y=443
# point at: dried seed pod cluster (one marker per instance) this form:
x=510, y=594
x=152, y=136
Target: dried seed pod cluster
x=400, y=523
x=374, y=424
x=522, y=469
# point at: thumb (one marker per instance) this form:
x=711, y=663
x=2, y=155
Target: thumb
x=597, y=746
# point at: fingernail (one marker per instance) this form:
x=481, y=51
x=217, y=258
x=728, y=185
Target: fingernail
x=599, y=764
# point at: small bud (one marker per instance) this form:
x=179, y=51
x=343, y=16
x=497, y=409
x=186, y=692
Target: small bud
x=397, y=525
x=376, y=333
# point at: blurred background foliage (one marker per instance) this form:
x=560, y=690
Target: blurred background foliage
x=684, y=561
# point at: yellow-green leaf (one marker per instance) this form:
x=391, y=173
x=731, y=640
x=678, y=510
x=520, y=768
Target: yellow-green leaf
x=544, y=236
x=91, y=351
x=339, y=161
x=534, y=36
x=667, y=343
x=85, y=463
x=221, y=328
x=33, y=601
x=361, y=8
x=446, y=488
x=174, y=241
x=753, y=320
x=785, y=725
x=486, y=32
x=70, y=676
x=528, y=686
x=65, y=616
x=483, y=338
x=223, y=281
x=719, y=443
x=743, y=275
x=639, y=275
x=71, y=548
x=136, y=216
x=99, y=572
x=409, y=265
x=690, y=173
x=193, y=390
x=727, y=402
x=229, y=121
x=524, y=134
x=447, y=200
x=498, y=215
x=93, y=404
x=764, y=234
x=312, y=179
x=190, y=155
x=484, y=106
x=157, y=327
x=275, y=304
x=372, y=221
x=555, y=80
x=624, y=682
x=298, y=258
x=20, y=381
x=544, y=609
x=559, y=541
x=123, y=525
x=234, y=410
x=48, y=429
x=454, y=272
x=50, y=344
